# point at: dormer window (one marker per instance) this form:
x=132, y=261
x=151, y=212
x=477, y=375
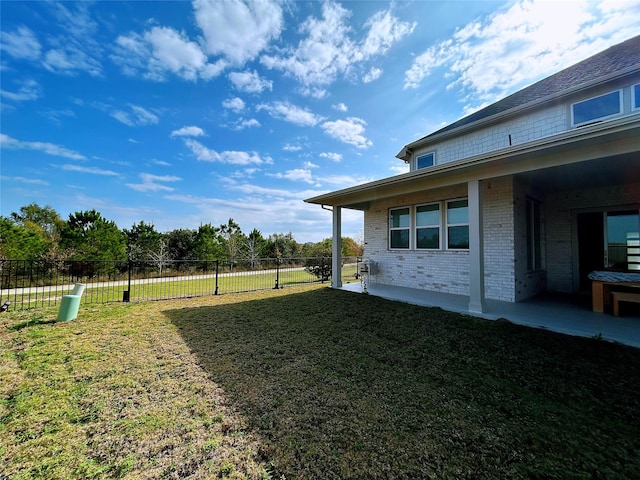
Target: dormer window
x=426, y=160
x=596, y=109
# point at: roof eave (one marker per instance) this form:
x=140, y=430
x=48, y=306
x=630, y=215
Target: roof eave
x=483, y=122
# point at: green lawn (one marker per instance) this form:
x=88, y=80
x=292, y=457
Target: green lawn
x=309, y=382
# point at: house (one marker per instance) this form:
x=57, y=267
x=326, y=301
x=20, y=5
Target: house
x=525, y=196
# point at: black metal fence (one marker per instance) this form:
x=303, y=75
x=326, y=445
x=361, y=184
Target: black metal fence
x=39, y=283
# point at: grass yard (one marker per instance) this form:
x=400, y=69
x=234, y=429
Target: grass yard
x=309, y=383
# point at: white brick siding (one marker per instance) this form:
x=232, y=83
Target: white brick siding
x=499, y=262
x=446, y=270
x=536, y=125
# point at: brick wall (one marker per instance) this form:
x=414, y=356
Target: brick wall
x=443, y=270
x=499, y=262
x=536, y=125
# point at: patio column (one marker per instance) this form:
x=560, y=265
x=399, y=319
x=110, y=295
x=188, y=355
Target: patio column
x=476, y=248
x=336, y=248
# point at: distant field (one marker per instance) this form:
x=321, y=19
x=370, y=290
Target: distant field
x=309, y=383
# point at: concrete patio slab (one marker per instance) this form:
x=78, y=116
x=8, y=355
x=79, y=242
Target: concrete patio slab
x=567, y=314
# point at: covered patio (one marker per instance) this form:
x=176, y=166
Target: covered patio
x=563, y=313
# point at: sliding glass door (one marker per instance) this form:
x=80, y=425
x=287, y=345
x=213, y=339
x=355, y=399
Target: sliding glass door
x=608, y=240
x=622, y=240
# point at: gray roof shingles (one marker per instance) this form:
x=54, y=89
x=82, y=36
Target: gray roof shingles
x=616, y=58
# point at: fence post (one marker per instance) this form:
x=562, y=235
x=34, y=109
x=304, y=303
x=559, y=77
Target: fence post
x=277, y=286
x=216, y=292
x=126, y=296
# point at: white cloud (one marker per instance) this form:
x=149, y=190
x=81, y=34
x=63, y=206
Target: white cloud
x=384, y=31
x=310, y=165
x=327, y=50
x=236, y=104
x=151, y=183
x=341, y=107
x=138, y=116
x=291, y=113
x=190, y=131
x=250, y=82
x=45, y=147
x=350, y=130
x=21, y=44
x=163, y=50
x=77, y=48
x=90, y=170
x=292, y=148
x=70, y=61
x=246, y=123
x=399, y=168
x=238, y=30
x=371, y=75
x=296, y=175
x=231, y=157
x=31, y=181
x=29, y=90
x=522, y=43
x=336, y=157
x=342, y=181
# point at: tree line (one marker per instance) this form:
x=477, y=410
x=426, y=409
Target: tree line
x=40, y=233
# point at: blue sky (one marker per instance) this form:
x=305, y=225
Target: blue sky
x=183, y=113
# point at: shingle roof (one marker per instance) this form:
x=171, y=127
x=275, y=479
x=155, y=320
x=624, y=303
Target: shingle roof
x=615, y=59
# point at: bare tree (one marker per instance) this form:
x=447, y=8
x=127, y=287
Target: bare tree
x=161, y=257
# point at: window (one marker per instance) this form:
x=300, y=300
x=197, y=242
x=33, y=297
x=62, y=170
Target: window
x=596, y=108
x=623, y=240
x=534, y=237
x=426, y=160
x=428, y=226
x=399, y=227
x=635, y=97
x=458, y=224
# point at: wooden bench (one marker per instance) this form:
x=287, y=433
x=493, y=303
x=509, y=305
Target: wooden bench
x=601, y=292
x=618, y=297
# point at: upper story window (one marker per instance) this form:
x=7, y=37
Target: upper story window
x=635, y=97
x=596, y=108
x=399, y=227
x=426, y=160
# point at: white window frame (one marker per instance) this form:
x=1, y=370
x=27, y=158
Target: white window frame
x=408, y=228
x=433, y=154
x=447, y=224
x=438, y=225
x=598, y=119
x=635, y=98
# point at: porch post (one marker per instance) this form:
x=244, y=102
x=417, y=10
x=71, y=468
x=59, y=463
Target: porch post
x=336, y=248
x=476, y=248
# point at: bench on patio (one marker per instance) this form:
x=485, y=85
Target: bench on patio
x=623, y=297
x=605, y=282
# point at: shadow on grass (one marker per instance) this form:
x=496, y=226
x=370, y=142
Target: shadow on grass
x=341, y=385
x=30, y=323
